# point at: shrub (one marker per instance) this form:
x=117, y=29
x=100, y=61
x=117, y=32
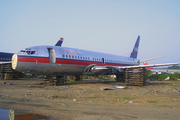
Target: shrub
x=173, y=77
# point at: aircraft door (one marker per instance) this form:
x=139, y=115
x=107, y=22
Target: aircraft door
x=52, y=55
x=103, y=61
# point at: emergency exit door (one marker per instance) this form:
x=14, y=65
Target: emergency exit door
x=52, y=55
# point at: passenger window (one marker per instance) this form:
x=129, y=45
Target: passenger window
x=33, y=52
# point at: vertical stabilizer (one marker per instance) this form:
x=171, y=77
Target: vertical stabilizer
x=59, y=43
x=135, y=49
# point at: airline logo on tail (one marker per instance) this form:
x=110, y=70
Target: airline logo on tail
x=135, y=49
x=59, y=43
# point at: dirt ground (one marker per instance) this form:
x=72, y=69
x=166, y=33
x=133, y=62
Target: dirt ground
x=87, y=100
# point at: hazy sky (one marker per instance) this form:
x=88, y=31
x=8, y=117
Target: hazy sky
x=109, y=26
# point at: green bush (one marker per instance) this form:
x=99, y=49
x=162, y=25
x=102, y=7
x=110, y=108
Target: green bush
x=85, y=76
x=173, y=77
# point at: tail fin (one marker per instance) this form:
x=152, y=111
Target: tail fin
x=135, y=49
x=148, y=68
x=59, y=43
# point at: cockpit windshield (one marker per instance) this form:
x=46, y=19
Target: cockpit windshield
x=28, y=51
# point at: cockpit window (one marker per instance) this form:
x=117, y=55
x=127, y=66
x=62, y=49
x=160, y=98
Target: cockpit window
x=29, y=52
x=23, y=51
x=33, y=52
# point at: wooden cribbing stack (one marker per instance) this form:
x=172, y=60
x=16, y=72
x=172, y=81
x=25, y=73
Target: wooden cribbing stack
x=59, y=80
x=53, y=81
x=7, y=73
x=135, y=76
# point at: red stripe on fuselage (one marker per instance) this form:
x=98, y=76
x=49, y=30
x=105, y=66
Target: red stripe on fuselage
x=65, y=61
x=33, y=59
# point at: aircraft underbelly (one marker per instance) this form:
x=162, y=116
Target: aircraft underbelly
x=50, y=68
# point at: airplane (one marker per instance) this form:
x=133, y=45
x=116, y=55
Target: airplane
x=161, y=70
x=5, y=66
x=5, y=57
x=60, y=61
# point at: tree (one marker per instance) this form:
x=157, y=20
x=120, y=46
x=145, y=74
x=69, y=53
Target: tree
x=174, y=67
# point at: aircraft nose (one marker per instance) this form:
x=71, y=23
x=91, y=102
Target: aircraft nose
x=14, y=61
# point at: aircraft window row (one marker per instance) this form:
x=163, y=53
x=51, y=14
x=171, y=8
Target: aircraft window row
x=5, y=58
x=97, y=59
x=87, y=58
x=100, y=59
x=107, y=60
x=76, y=57
x=29, y=52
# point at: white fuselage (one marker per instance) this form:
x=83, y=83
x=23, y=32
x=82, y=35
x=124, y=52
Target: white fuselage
x=58, y=60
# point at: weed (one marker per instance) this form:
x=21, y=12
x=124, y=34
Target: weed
x=148, y=94
x=174, y=86
x=116, y=98
x=64, y=96
x=108, y=93
x=125, y=102
x=127, y=97
x=150, y=101
x=116, y=94
x=55, y=96
x=111, y=102
x=93, y=96
x=157, y=105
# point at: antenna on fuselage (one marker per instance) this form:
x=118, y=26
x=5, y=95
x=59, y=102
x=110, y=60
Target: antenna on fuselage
x=59, y=43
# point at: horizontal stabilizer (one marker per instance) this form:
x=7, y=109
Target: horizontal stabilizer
x=151, y=59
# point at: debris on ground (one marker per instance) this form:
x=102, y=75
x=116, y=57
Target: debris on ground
x=121, y=87
x=131, y=102
x=107, y=88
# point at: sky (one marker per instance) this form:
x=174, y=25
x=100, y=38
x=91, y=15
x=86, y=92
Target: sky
x=108, y=26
